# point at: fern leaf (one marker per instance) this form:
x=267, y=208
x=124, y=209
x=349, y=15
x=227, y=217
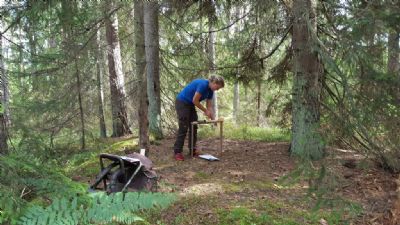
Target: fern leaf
x=103, y=209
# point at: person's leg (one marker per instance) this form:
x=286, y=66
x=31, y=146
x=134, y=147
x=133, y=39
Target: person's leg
x=193, y=117
x=183, y=113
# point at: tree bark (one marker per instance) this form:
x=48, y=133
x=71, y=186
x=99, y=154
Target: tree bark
x=152, y=48
x=78, y=84
x=236, y=101
x=211, y=53
x=71, y=50
x=141, y=76
x=5, y=100
x=393, y=66
x=236, y=98
x=100, y=92
x=117, y=89
x=3, y=96
x=259, y=103
x=306, y=140
x=29, y=29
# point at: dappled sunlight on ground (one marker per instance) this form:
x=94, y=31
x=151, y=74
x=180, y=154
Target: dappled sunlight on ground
x=202, y=189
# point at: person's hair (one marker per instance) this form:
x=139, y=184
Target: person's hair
x=217, y=79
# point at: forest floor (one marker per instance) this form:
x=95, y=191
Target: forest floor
x=246, y=187
x=245, y=183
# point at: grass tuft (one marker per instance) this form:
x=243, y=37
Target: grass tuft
x=246, y=133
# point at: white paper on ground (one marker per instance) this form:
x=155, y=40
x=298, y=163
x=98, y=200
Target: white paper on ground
x=208, y=157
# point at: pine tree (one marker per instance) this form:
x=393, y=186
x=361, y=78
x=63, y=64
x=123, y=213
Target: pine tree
x=306, y=139
x=99, y=81
x=152, y=48
x=3, y=94
x=141, y=75
x=211, y=50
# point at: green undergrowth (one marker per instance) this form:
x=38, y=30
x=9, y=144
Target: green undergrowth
x=36, y=184
x=26, y=181
x=86, y=163
x=245, y=132
x=117, y=208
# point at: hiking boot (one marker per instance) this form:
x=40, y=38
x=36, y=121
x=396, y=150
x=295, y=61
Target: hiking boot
x=179, y=157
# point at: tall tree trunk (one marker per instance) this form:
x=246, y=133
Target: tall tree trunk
x=32, y=53
x=71, y=50
x=152, y=47
x=236, y=99
x=211, y=52
x=3, y=99
x=260, y=50
x=78, y=86
x=259, y=103
x=100, y=92
x=21, y=63
x=306, y=140
x=393, y=53
x=117, y=89
x=141, y=75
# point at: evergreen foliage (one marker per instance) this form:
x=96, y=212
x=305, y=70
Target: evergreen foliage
x=27, y=180
x=360, y=95
x=50, y=55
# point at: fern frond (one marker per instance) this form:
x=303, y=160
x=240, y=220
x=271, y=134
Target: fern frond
x=104, y=208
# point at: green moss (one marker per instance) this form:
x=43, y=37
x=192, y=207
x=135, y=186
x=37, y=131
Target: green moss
x=86, y=163
x=241, y=216
x=262, y=185
x=201, y=176
x=297, y=213
x=231, y=187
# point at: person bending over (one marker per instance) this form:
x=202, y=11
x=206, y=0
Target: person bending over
x=186, y=101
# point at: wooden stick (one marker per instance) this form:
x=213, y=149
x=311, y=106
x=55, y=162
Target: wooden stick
x=221, y=124
x=208, y=121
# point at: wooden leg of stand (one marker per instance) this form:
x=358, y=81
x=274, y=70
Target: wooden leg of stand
x=191, y=140
x=221, y=136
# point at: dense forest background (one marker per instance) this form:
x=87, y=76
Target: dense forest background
x=74, y=74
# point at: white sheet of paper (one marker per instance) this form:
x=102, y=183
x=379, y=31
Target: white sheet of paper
x=208, y=157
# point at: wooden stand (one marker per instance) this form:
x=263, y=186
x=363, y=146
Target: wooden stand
x=221, y=123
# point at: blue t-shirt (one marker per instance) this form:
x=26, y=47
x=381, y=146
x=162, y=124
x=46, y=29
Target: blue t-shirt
x=198, y=85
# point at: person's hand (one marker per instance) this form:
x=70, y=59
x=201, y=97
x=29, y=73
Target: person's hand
x=208, y=113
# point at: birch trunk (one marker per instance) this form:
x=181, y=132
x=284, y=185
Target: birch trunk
x=117, y=89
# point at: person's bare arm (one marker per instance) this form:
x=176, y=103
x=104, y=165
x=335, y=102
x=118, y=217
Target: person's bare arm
x=196, y=102
x=210, y=108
